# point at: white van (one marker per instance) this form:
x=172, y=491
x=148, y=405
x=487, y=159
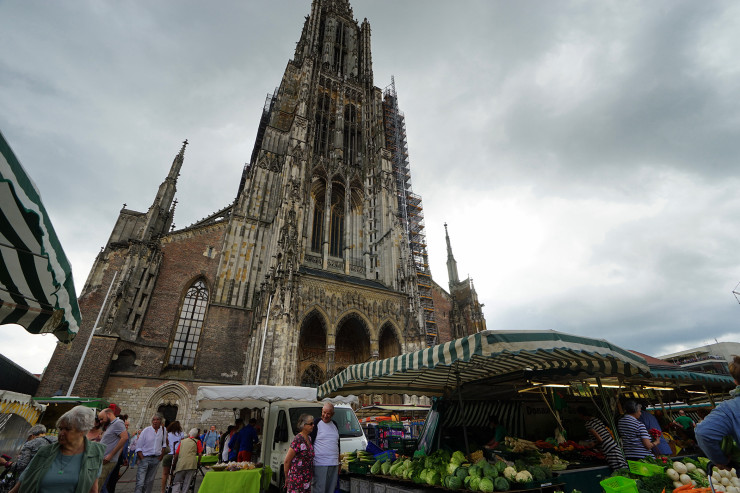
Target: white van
x=282, y=406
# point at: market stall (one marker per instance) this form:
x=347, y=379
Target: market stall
x=524, y=378
x=18, y=413
x=57, y=406
x=241, y=481
x=388, y=425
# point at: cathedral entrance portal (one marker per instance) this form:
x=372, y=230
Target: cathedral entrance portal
x=352, y=342
x=312, y=351
x=169, y=413
x=388, y=347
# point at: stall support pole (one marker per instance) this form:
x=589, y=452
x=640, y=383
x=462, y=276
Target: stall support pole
x=711, y=399
x=459, y=399
x=609, y=413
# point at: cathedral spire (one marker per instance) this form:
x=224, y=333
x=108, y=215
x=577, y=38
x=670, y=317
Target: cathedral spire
x=160, y=215
x=451, y=263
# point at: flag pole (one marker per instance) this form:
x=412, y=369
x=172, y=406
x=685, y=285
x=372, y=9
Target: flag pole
x=89, y=339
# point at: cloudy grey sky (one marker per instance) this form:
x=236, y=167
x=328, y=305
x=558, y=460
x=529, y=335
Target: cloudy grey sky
x=584, y=154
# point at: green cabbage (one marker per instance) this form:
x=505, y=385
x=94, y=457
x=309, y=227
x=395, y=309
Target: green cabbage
x=486, y=485
x=474, y=483
x=500, y=484
x=457, y=458
x=454, y=483
x=461, y=472
x=489, y=471
x=433, y=478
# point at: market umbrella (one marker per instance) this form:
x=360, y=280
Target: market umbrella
x=36, y=286
x=439, y=369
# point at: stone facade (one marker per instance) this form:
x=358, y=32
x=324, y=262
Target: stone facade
x=307, y=271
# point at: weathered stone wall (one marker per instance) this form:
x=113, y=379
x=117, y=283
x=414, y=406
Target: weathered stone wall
x=139, y=398
x=61, y=368
x=442, y=310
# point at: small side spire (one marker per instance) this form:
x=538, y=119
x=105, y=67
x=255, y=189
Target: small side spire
x=451, y=263
x=177, y=162
x=161, y=213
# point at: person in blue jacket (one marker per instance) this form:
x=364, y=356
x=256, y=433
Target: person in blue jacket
x=651, y=422
x=724, y=420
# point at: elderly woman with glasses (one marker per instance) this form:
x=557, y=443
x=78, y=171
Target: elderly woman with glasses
x=72, y=464
x=298, y=464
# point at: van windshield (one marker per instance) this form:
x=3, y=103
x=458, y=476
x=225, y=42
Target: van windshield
x=343, y=416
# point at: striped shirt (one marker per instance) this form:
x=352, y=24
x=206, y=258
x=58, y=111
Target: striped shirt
x=608, y=446
x=632, y=432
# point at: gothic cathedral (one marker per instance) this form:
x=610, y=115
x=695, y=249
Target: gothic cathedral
x=319, y=263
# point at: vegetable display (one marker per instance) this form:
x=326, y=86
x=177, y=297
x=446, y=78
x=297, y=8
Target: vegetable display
x=455, y=471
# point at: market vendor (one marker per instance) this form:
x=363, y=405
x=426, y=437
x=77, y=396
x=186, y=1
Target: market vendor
x=651, y=423
x=499, y=432
x=604, y=440
x=636, y=440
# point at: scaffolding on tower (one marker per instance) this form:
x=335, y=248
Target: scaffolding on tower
x=410, y=211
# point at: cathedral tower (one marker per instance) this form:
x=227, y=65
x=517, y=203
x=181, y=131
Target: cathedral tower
x=315, y=245
x=318, y=263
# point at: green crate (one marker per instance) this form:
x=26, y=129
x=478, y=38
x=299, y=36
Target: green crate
x=409, y=446
x=395, y=443
x=619, y=484
x=359, y=468
x=644, y=469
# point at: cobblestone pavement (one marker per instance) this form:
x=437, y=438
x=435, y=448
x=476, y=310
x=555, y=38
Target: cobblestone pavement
x=127, y=483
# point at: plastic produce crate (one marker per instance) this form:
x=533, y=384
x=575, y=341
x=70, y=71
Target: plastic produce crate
x=384, y=456
x=359, y=468
x=644, y=469
x=619, y=484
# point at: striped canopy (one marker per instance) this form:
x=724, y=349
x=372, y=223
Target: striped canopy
x=693, y=377
x=483, y=356
x=36, y=286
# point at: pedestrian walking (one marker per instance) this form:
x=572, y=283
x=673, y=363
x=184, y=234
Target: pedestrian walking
x=186, y=461
x=150, y=448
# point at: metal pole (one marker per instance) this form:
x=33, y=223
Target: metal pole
x=264, y=336
x=609, y=413
x=459, y=399
x=89, y=339
x=711, y=399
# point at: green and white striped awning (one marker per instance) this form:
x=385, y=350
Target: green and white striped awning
x=482, y=356
x=36, y=286
x=689, y=377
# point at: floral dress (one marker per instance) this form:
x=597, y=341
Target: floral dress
x=301, y=467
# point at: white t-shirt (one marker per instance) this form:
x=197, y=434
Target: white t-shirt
x=325, y=448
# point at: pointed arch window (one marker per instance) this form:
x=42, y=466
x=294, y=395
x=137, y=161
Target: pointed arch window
x=192, y=315
x=351, y=135
x=336, y=242
x=317, y=231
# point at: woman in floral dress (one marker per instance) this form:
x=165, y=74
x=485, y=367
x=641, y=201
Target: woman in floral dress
x=298, y=464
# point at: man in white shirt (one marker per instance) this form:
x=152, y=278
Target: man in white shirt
x=149, y=451
x=114, y=439
x=325, y=437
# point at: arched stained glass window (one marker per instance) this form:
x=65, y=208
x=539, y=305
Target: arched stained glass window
x=189, y=326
